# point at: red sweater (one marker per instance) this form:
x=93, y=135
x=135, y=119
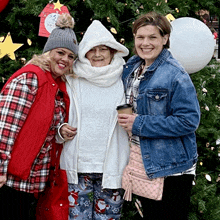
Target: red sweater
x=34, y=131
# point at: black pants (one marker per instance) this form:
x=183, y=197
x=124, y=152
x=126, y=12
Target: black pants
x=16, y=205
x=175, y=202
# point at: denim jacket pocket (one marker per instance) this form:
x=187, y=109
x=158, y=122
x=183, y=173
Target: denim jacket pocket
x=157, y=102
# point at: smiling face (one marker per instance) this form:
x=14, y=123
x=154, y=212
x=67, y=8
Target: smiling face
x=61, y=61
x=149, y=43
x=99, y=56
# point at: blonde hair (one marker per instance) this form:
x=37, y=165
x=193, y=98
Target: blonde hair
x=44, y=62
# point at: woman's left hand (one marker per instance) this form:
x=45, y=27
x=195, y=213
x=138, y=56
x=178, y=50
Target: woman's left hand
x=126, y=121
x=68, y=132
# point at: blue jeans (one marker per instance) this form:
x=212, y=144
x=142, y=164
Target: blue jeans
x=88, y=200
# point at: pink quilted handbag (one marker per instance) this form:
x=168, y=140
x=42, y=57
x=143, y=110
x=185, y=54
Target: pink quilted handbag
x=135, y=180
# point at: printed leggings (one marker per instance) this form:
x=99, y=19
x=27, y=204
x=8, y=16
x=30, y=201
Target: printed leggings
x=88, y=200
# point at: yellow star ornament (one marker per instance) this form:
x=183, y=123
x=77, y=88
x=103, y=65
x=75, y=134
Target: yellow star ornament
x=170, y=17
x=7, y=47
x=57, y=5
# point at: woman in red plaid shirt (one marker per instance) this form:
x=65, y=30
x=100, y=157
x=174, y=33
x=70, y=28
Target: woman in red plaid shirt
x=33, y=104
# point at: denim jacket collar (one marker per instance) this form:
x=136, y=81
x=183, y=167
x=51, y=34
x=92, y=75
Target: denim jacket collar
x=136, y=61
x=159, y=60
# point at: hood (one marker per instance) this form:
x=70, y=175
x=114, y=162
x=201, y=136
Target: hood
x=96, y=34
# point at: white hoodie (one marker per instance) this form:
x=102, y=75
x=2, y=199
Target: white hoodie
x=101, y=145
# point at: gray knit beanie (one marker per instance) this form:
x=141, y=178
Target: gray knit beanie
x=63, y=35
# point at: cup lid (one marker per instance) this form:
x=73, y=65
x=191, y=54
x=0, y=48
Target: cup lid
x=123, y=106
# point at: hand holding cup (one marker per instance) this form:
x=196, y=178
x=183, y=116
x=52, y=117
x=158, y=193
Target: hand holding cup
x=126, y=117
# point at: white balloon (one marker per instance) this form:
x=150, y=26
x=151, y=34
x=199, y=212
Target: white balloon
x=191, y=43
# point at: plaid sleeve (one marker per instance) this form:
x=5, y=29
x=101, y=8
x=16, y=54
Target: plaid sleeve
x=15, y=102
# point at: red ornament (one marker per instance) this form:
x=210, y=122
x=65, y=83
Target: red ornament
x=3, y=4
x=48, y=18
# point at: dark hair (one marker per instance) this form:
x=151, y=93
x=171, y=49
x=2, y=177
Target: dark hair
x=212, y=30
x=155, y=19
x=112, y=51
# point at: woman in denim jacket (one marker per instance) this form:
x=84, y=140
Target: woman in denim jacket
x=166, y=116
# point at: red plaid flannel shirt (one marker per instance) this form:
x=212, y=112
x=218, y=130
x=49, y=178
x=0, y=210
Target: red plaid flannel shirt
x=15, y=103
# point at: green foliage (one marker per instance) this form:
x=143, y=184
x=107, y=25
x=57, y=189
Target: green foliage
x=20, y=18
x=129, y=209
x=205, y=200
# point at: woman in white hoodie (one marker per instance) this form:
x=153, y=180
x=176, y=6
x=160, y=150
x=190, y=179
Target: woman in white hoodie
x=96, y=148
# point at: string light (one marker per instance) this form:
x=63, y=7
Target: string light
x=3, y=79
x=122, y=40
x=1, y=39
x=208, y=177
x=207, y=108
x=23, y=60
x=29, y=42
x=113, y=30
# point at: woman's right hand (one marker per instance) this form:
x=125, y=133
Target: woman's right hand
x=3, y=180
x=68, y=132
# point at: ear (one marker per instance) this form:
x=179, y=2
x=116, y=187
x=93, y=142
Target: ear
x=165, y=38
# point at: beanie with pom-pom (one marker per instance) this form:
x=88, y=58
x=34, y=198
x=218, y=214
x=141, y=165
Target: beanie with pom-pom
x=63, y=35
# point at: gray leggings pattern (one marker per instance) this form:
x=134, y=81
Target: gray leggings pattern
x=88, y=200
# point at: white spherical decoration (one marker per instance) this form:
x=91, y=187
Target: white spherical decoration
x=191, y=43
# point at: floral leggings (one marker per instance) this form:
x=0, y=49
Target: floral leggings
x=88, y=200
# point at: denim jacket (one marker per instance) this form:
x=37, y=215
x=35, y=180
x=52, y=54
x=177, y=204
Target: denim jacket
x=168, y=115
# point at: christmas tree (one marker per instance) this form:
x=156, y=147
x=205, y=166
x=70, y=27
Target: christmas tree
x=20, y=22
x=205, y=200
